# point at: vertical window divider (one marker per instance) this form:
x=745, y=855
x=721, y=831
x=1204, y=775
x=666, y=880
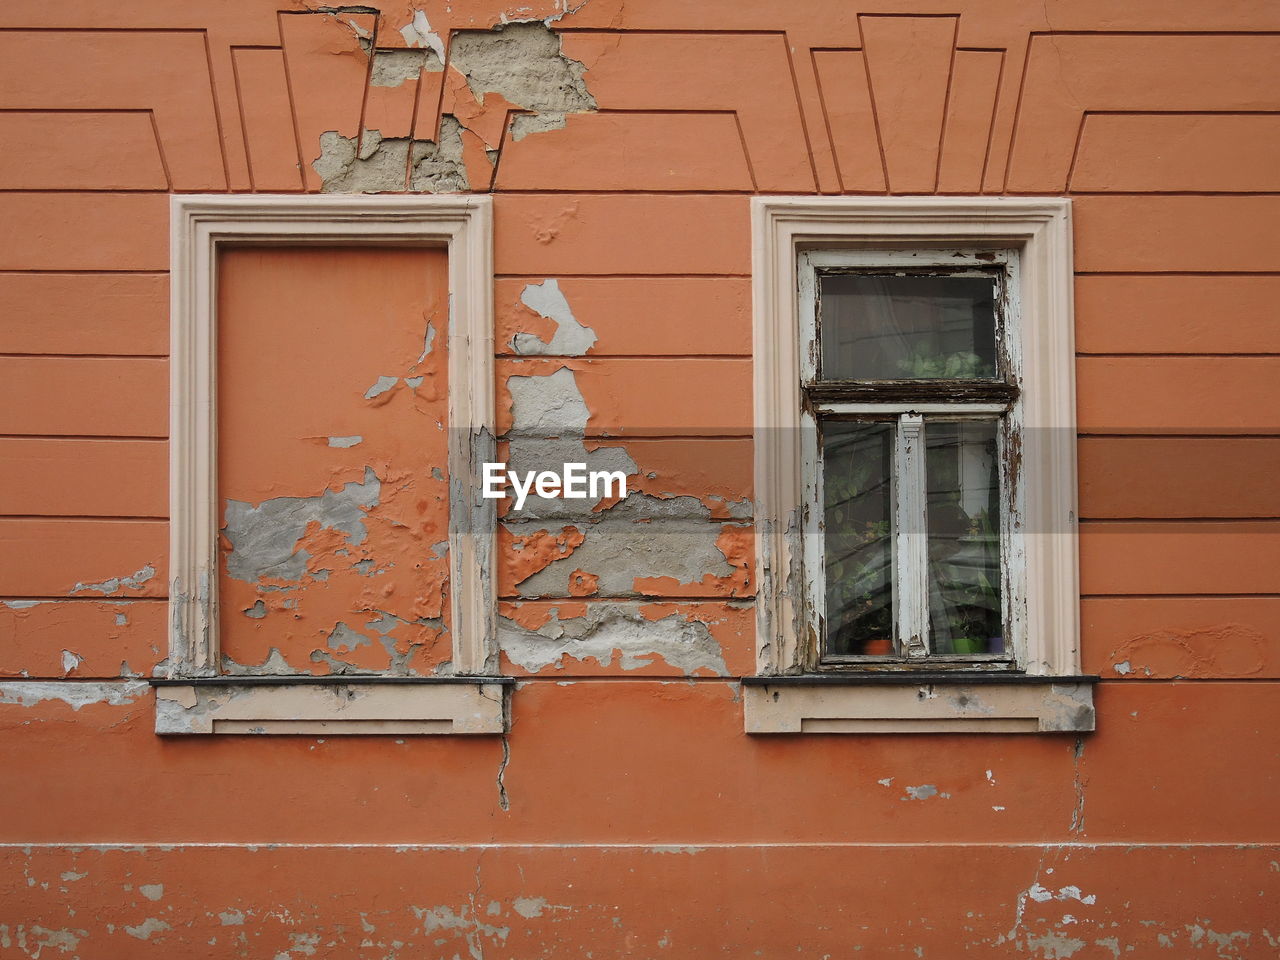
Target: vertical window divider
x=911, y=538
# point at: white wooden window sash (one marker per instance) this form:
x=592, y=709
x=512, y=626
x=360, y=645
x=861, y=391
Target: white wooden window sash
x=910, y=418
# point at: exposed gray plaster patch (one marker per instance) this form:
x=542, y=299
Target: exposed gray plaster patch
x=344, y=442
x=382, y=386
x=70, y=661
x=571, y=339
x=147, y=928
x=529, y=907
x=924, y=791
x=527, y=453
x=524, y=63
x=23, y=604
x=343, y=639
x=232, y=918
x=33, y=940
x=391, y=68
x=428, y=342
x=414, y=382
x=444, y=918
x=264, y=538
x=433, y=166
x=114, y=693
x=524, y=124
x=438, y=166
x=257, y=611
x=619, y=552
x=1055, y=946
x=547, y=406
x=152, y=891
x=115, y=584
x=610, y=630
x=642, y=536
x=274, y=665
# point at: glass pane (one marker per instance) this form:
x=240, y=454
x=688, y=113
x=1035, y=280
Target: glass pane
x=907, y=328
x=857, y=463
x=962, y=466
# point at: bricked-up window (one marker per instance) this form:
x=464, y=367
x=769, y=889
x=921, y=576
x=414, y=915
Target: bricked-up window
x=332, y=402
x=911, y=410
x=915, y=467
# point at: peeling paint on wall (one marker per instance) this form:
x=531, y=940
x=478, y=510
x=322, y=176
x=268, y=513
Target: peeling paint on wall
x=607, y=631
x=264, y=538
x=571, y=339
x=391, y=68
x=116, y=584
x=76, y=694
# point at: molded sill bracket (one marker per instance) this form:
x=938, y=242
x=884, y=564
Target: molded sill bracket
x=918, y=703
x=332, y=705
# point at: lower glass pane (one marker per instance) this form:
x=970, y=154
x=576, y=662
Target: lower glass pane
x=966, y=614
x=857, y=462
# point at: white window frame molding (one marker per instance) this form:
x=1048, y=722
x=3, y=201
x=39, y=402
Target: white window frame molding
x=193, y=696
x=1048, y=694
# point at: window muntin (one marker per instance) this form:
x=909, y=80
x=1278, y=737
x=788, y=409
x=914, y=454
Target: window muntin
x=911, y=388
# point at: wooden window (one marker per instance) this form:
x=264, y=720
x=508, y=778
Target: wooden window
x=915, y=466
x=911, y=416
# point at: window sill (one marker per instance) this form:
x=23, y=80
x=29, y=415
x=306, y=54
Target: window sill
x=331, y=705
x=918, y=703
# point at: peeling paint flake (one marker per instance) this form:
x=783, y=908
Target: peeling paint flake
x=76, y=694
x=382, y=386
x=571, y=339
x=116, y=584
x=607, y=631
x=264, y=538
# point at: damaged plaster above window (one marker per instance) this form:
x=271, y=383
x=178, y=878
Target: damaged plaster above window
x=380, y=165
x=391, y=68
x=521, y=62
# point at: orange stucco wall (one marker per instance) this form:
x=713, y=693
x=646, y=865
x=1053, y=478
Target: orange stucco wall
x=626, y=813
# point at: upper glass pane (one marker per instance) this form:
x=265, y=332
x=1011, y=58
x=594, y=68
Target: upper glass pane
x=899, y=327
